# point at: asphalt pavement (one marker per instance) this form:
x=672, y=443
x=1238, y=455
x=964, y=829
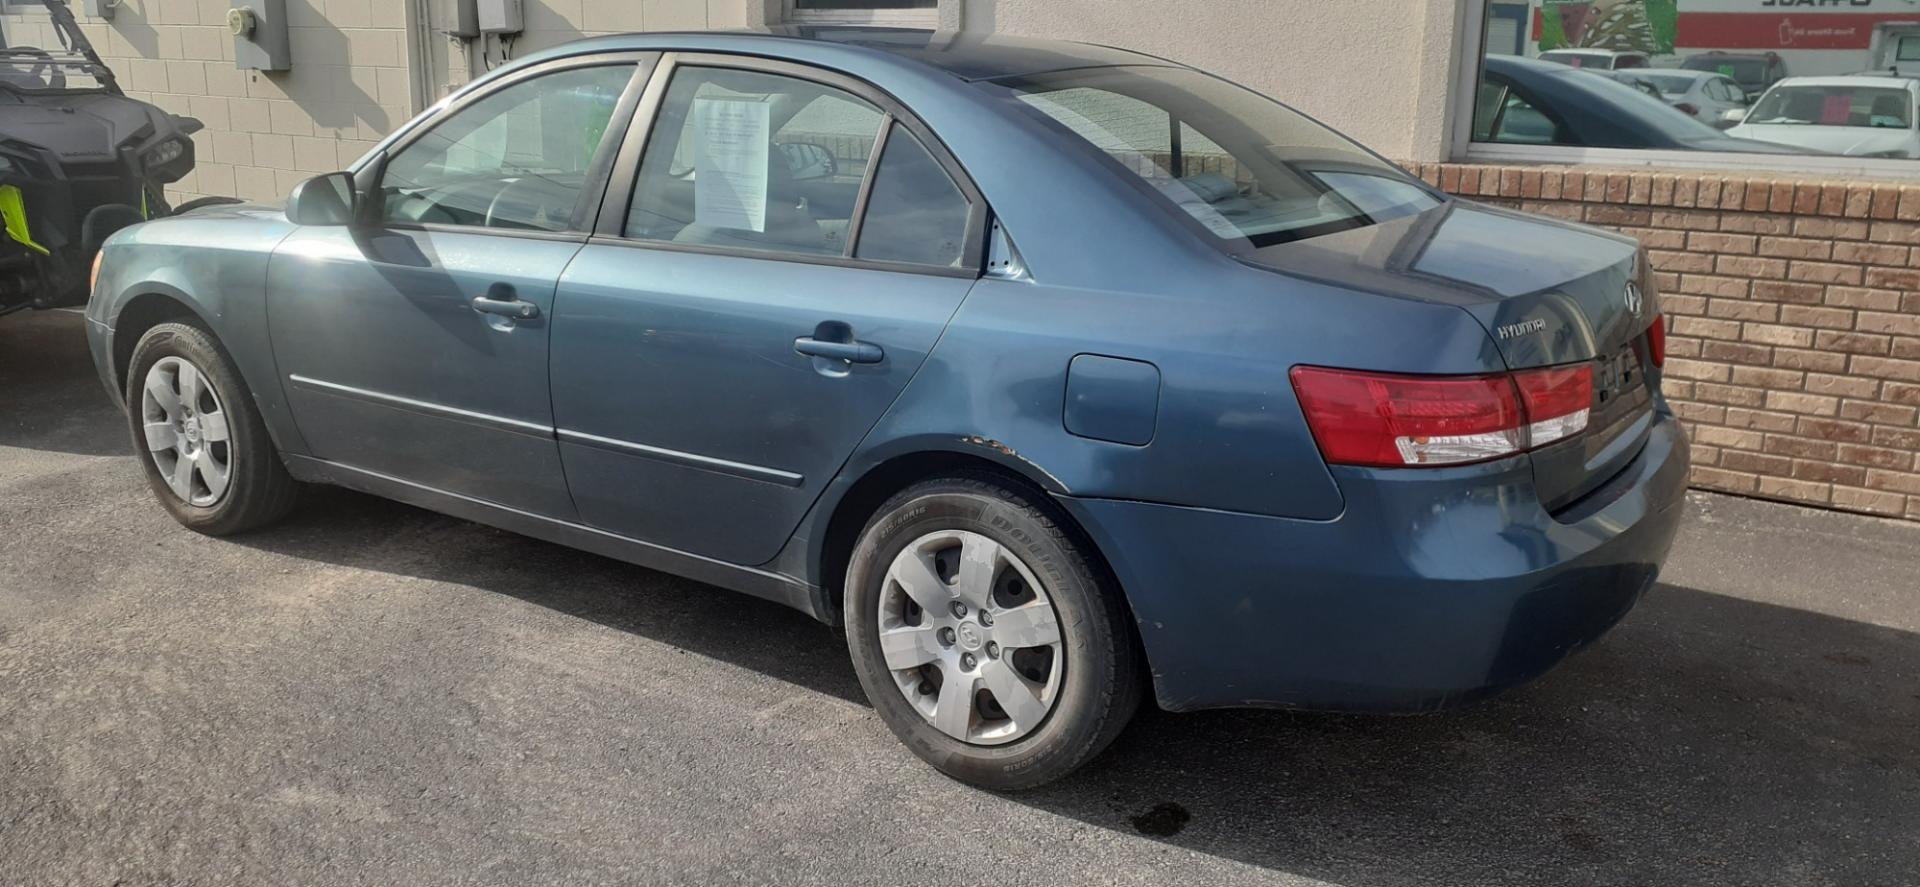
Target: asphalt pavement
x=374, y=694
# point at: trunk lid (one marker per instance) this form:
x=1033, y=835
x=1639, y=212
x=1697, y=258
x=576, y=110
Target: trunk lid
x=1548, y=293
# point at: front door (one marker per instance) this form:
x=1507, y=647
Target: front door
x=789, y=257
x=415, y=345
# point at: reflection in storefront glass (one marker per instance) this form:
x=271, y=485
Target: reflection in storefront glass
x=1707, y=75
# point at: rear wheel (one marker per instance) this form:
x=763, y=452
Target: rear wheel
x=985, y=637
x=203, y=444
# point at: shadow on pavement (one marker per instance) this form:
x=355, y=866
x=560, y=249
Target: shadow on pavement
x=50, y=398
x=1709, y=739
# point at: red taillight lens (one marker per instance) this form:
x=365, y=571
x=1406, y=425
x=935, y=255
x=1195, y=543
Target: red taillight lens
x=1391, y=421
x=1657, y=340
x=1688, y=109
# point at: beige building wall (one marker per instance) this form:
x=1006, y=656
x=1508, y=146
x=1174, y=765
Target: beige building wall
x=1376, y=69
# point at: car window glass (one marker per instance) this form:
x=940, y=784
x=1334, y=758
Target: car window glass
x=754, y=161
x=515, y=159
x=1506, y=117
x=916, y=213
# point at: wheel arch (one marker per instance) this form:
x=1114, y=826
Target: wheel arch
x=847, y=514
x=154, y=305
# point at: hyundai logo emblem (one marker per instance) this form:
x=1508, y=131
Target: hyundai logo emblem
x=1634, y=300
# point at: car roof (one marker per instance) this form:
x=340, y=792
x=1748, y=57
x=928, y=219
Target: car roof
x=1586, y=50
x=965, y=56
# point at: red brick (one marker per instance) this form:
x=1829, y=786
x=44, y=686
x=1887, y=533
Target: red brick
x=1550, y=183
x=1827, y=472
x=1892, y=324
x=1703, y=412
x=1750, y=266
x=1907, y=439
x=1842, y=386
x=1893, y=279
x=1711, y=189
x=1887, y=368
x=1857, y=297
x=1683, y=304
x=1759, y=195
x=1909, y=205
x=1744, y=309
x=1619, y=187
x=1698, y=370
x=1833, y=200
x=1705, y=328
x=1895, y=232
x=1796, y=248
x=1714, y=392
x=1760, y=463
x=1825, y=272
x=1869, y=254
x=1852, y=343
x=1764, y=377
x=1880, y=413
x=1686, y=221
x=1729, y=438
x=1876, y=457
x=1662, y=193
x=1610, y=214
x=1809, y=315
x=1818, y=361
x=1800, y=293
x=1770, y=334
x=1802, y=449
x=1733, y=352
x=1740, y=417
x=1795, y=490
x=1806, y=199
x=1713, y=242
x=1830, y=229
x=1724, y=287
x=1797, y=402
x=1894, y=481
x=1664, y=260
x=1834, y=430
x=1859, y=201
x=1725, y=481
x=1748, y=223
x=1897, y=392
x=1886, y=203
x=1908, y=349
x=1869, y=501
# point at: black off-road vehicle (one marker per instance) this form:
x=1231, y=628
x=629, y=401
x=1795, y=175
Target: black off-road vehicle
x=79, y=160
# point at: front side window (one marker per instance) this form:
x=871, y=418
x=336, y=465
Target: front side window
x=516, y=159
x=1825, y=84
x=1249, y=170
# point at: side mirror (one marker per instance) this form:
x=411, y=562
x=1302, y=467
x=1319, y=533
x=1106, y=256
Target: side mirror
x=324, y=200
x=807, y=161
x=1732, y=117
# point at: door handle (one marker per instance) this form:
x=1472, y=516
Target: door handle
x=505, y=304
x=851, y=352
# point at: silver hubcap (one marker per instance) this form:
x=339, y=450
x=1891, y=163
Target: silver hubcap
x=971, y=637
x=187, y=431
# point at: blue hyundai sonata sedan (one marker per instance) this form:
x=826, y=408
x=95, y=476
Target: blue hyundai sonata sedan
x=1057, y=375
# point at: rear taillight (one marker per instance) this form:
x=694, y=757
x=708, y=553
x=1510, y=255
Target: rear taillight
x=1688, y=109
x=1657, y=340
x=1392, y=421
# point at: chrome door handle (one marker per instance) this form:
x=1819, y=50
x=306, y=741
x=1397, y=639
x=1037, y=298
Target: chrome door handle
x=851, y=352
x=512, y=308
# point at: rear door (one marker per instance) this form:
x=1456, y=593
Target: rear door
x=788, y=251
x=415, y=344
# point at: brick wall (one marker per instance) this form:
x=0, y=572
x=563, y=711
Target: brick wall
x=1794, y=358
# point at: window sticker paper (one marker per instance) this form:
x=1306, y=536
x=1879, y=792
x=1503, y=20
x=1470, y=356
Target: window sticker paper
x=730, y=178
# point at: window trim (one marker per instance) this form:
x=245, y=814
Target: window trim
x=622, y=187
x=368, y=177
x=1470, y=47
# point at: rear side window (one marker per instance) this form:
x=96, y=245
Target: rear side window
x=1250, y=170
x=915, y=214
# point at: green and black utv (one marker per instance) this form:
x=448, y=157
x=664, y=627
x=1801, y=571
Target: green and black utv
x=79, y=160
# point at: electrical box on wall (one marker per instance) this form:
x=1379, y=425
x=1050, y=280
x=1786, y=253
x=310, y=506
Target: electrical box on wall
x=102, y=8
x=260, y=35
x=500, y=17
x=466, y=19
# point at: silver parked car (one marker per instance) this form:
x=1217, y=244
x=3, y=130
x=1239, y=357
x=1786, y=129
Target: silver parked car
x=1707, y=96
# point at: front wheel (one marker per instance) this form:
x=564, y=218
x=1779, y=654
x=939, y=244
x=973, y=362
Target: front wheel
x=984, y=635
x=201, y=440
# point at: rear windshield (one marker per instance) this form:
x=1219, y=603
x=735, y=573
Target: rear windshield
x=1249, y=170
x=1869, y=106
x=1747, y=71
x=1578, y=59
x=1669, y=83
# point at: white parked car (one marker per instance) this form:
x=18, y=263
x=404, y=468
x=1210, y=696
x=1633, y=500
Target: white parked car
x=1603, y=59
x=1860, y=115
x=1705, y=96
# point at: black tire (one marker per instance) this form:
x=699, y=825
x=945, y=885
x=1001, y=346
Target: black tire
x=1101, y=683
x=259, y=490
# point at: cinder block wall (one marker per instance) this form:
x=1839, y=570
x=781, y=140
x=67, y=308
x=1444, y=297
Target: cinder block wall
x=351, y=82
x=1795, y=319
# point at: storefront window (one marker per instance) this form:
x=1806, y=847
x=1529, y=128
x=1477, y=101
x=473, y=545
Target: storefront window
x=1828, y=80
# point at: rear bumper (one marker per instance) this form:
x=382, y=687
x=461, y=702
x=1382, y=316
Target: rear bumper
x=1432, y=589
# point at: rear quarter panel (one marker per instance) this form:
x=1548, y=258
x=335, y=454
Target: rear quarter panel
x=214, y=263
